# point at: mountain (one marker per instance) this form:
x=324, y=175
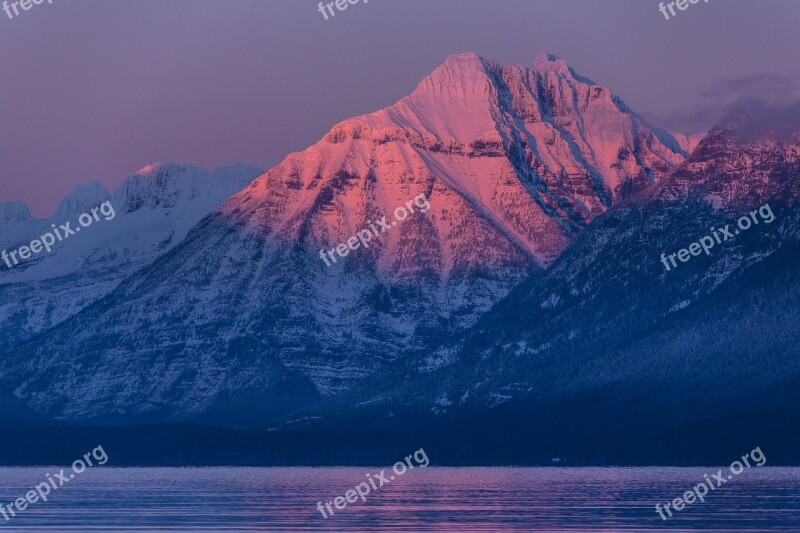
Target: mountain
x=152, y=211
x=81, y=200
x=14, y=212
x=244, y=320
x=16, y=219
x=607, y=347
x=688, y=143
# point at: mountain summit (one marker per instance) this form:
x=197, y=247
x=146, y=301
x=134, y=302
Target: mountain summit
x=532, y=154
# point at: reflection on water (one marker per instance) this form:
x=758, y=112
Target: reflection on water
x=429, y=499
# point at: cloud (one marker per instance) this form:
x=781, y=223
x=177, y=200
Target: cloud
x=774, y=88
x=770, y=94
x=757, y=118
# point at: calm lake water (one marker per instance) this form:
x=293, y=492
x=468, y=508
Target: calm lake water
x=429, y=499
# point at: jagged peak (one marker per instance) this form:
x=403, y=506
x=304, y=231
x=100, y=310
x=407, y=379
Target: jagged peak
x=83, y=198
x=545, y=62
x=464, y=67
x=166, y=185
x=175, y=169
x=464, y=84
x=155, y=169
x=14, y=211
x=762, y=123
x=463, y=57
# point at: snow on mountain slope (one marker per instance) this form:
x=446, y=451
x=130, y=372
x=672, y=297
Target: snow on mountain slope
x=14, y=212
x=727, y=172
x=688, y=142
x=154, y=209
x=606, y=325
x=16, y=220
x=81, y=200
x=243, y=320
x=537, y=153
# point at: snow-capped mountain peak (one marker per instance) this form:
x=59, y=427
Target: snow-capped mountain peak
x=81, y=200
x=11, y=212
x=171, y=185
x=545, y=62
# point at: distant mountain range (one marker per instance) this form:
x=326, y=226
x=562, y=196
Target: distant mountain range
x=531, y=288
x=154, y=209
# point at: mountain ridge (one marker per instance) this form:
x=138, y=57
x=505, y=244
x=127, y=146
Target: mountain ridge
x=45, y=290
x=242, y=322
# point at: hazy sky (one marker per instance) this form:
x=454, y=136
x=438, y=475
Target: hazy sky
x=96, y=89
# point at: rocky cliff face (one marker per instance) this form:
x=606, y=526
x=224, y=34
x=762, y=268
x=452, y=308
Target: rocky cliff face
x=81, y=200
x=12, y=212
x=607, y=334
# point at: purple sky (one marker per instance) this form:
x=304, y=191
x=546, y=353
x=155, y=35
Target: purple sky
x=95, y=89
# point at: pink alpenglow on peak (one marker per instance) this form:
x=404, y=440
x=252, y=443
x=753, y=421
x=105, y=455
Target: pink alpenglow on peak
x=364, y=236
x=545, y=62
x=14, y=212
x=519, y=160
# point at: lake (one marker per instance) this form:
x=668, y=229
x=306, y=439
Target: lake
x=422, y=499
